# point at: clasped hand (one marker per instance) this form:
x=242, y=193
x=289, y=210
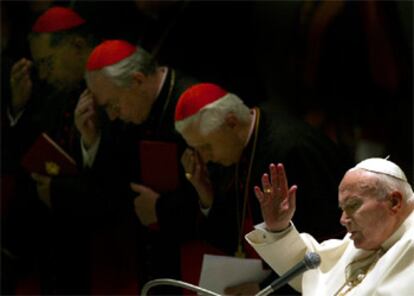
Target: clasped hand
x=197, y=175
x=43, y=188
x=277, y=200
x=86, y=119
x=21, y=84
x=145, y=204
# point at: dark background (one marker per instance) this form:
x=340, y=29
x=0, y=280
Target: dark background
x=343, y=66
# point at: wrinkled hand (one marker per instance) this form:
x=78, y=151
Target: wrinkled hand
x=197, y=174
x=243, y=289
x=21, y=84
x=43, y=188
x=145, y=204
x=277, y=201
x=86, y=119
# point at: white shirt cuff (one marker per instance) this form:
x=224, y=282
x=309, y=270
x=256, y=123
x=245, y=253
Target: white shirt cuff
x=273, y=235
x=88, y=155
x=204, y=210
x=14, y=119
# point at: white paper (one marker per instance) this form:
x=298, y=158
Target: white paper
x=220, y=272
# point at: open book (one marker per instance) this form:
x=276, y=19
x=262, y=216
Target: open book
x=46, y=157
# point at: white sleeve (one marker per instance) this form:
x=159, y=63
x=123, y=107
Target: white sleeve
x=204, y=210
x=88, y=155
x=281, y=250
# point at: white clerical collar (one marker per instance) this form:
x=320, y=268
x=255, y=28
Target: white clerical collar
x=252, y=124
x=164, y=76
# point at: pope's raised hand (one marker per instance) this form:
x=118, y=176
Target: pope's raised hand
x=277, y=200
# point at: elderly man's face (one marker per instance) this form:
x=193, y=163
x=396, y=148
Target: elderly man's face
x=219, y=146
x=130, y=104
x=367, y=216
x=61, y=65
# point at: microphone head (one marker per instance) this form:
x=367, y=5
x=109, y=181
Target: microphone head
x=312, y=260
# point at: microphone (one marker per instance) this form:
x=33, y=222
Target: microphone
x=310, y=261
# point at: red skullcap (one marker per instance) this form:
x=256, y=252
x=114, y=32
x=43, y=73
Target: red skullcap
x=108, y=53
x=196, y=98
x=57, y=19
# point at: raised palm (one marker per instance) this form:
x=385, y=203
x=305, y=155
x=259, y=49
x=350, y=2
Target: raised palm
x=277, y=200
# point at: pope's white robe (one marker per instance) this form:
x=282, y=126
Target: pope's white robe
x=392, y=274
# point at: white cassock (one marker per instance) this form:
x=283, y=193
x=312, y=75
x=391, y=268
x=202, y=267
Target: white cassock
x=390, y=273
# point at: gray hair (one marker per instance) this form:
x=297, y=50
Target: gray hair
x=121, y=72
x=386, y=184
x=212, y=116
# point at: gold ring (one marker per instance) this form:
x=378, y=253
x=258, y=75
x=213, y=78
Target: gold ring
x=188, y=175
x=268, y=190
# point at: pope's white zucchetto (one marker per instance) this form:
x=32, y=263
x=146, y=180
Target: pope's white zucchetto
x=382, y=166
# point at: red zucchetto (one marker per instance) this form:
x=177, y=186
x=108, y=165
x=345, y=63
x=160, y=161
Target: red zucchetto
x=57, y=19
x=196, y=98
x=108, y=53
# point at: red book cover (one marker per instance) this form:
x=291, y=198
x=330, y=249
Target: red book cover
x=46, y=157
x=159, y=165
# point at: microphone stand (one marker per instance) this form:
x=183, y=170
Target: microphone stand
x=266, y=291
x=175, y=283
x=310, y=261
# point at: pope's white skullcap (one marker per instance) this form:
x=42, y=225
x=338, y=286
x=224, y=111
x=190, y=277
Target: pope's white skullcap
x=382, y=166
